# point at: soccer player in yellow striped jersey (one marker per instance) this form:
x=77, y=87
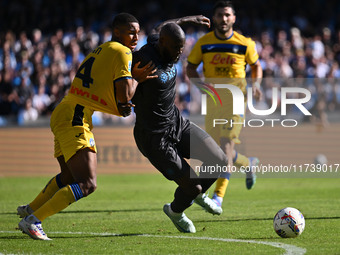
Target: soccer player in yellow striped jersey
x=92, y=87
x=103, y=83
x=225, y=54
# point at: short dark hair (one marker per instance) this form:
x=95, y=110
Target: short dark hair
x=122, y=19
x=223, y=4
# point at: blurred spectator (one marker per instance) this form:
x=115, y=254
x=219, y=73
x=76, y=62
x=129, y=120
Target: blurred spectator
x=297, y=40
x=28, y=114
x=41, y=100
x=42, y=43
x=75, y=56
x=22, y=93
x=23, y=44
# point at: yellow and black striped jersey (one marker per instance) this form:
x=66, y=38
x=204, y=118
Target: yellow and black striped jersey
x=93, y=85
x=224, y=58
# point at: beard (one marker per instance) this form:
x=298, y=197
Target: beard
x=225, y=29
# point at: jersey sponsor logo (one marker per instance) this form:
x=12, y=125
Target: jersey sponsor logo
x=129, y=66
x=128, y=52
x=166, y=76
x=82, y=93
x=235, y=49
x=209, y=48
x=92, y=143
x=218, y=59
x=222, y=71
x=78, y=135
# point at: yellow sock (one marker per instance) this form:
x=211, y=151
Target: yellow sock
x=50, y=189
x=61, y=199
x=241, y=160
x=221, y=186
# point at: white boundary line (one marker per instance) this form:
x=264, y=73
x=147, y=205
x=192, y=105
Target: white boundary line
x=289, y=249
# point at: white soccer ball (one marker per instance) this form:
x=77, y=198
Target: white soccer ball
x=289, y=222
x=320, y=159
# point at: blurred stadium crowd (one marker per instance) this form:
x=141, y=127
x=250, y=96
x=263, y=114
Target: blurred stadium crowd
x=42, y=43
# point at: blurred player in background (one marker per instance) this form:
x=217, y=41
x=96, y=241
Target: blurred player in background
x=225, y=54
x=103, y=83
x=163, y=135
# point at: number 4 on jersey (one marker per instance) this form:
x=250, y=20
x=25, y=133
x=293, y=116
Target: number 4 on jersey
x=85, y=75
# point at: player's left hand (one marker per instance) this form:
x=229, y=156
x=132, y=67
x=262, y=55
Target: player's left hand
x=257, y=93
x=125, y=109
x=146, y=72
x=196, y=19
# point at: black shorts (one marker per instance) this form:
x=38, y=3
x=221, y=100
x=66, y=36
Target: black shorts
x=167, y=151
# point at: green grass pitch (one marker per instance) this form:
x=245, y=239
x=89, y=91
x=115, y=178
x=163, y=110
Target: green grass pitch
x=124, y=216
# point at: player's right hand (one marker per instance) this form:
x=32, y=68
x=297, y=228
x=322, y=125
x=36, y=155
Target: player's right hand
x=125, y=109
x=144, y=73
x=196, y=19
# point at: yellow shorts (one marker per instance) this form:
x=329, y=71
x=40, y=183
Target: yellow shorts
x=229, y=125
x=71, y=125
x=227, y=130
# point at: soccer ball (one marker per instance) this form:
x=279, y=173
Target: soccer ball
x=320, y=159
x=289, y=222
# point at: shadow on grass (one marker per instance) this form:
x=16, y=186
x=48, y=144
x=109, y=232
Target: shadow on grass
x=100, y=211
x=12, y=237
x=64, y=236
x=159, y=210
x=22, y=236
x=84, y=235
x=258, y=219
x=115, y=211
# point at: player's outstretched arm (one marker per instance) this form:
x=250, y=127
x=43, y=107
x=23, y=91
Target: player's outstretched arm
x=126, y=88
x=195, y=77
x=256, y=74
x=192, y=71
x=195, y=20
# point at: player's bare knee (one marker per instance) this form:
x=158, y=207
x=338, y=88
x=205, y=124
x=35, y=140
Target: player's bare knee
x=66, y=178
x=88, y=188
x=197, y=190
x=92, y=188
x=192, y=190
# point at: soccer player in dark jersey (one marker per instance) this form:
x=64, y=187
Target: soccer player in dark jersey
x=164, y=136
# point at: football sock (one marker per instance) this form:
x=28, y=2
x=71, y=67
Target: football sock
x=206, y=184
x=223, y=181
x=31, y=219
x=207, y=179
x=174, y=213
x=182, y=201
x=221, y=186
x=241, y=160
x=61, y=199
x=50, y=189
